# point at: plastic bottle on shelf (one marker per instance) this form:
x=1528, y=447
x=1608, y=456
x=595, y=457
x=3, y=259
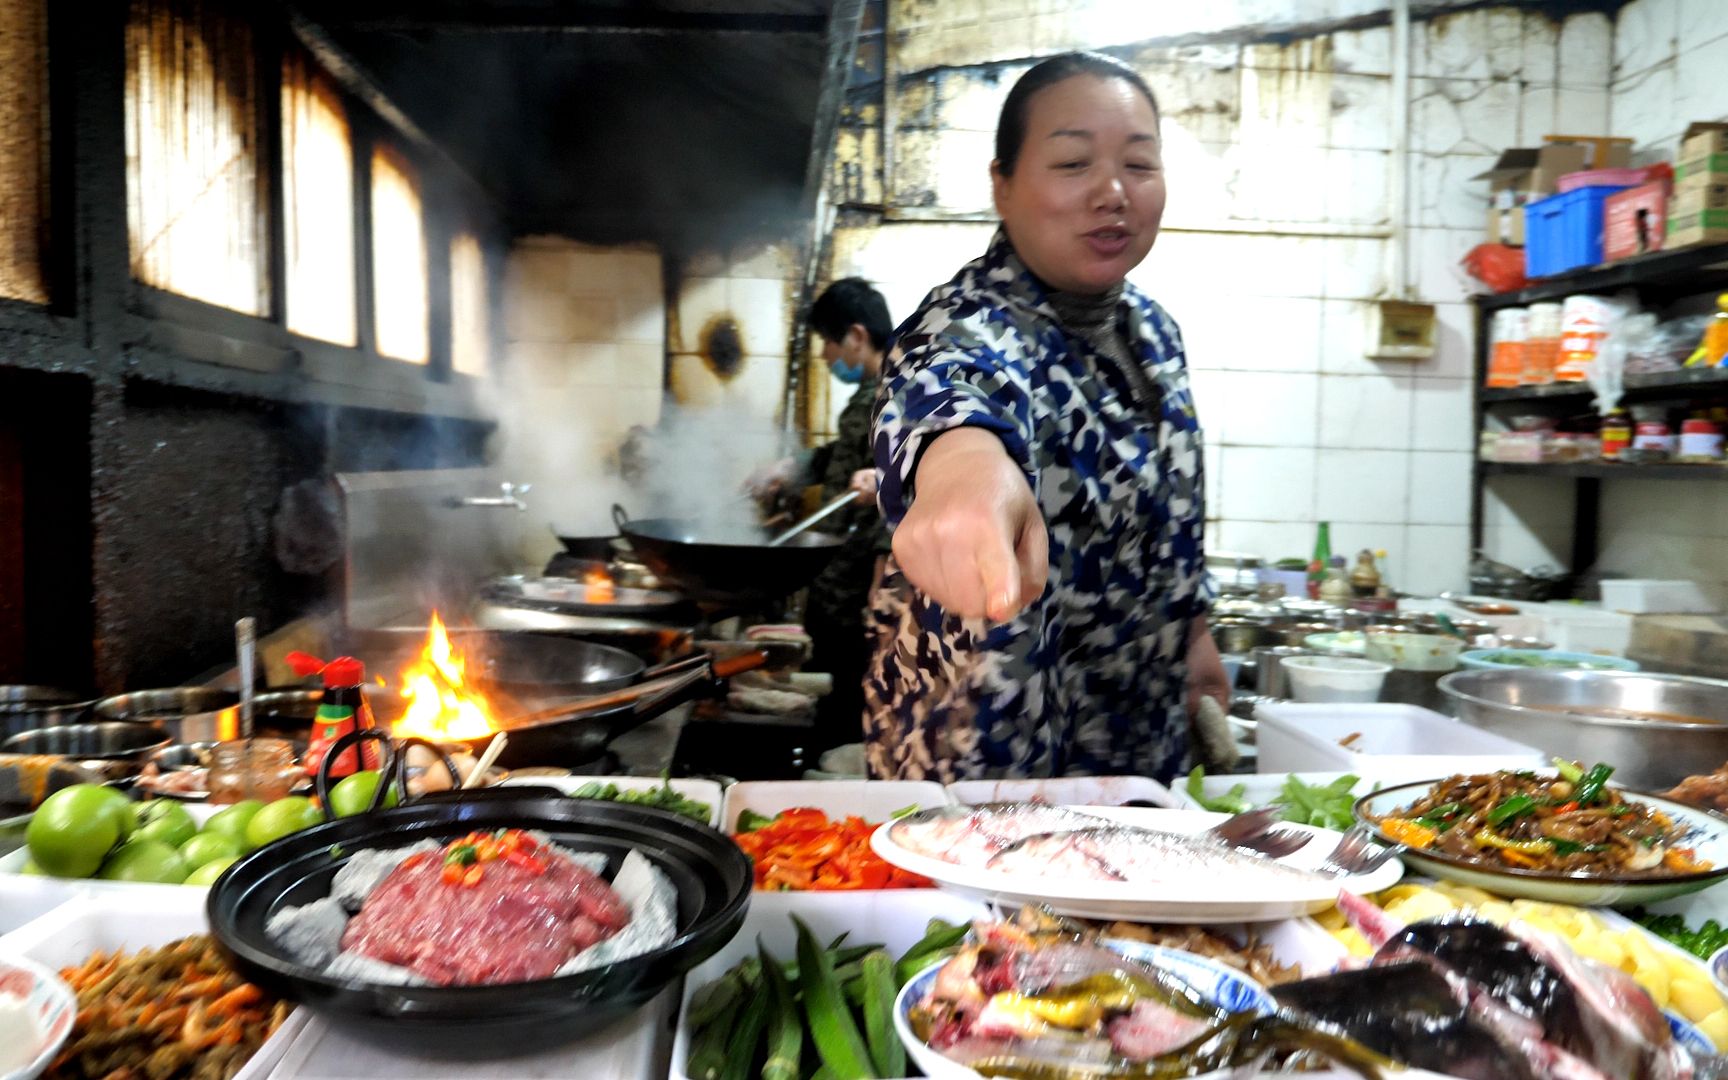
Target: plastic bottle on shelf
x=1616, y=434
x=1713, y=351
x=1322, y=559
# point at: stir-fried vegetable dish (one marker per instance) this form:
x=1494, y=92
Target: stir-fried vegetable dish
x=802, y=849
x=1570, y=822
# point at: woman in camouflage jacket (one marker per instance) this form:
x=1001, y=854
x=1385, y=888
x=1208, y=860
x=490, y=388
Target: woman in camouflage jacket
x=1040, y=461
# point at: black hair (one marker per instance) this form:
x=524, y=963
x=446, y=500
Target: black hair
x=1011, y=126
x=852, y=301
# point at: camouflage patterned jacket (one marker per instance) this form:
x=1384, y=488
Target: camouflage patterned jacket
x=842, y=590
x=1090, y=679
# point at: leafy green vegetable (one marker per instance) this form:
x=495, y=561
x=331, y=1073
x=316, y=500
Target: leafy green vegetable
x=662, y=797
x=1231, y=802
x=1702, y=942
x=1511, y=808
x=903, y=812
x=749, y=820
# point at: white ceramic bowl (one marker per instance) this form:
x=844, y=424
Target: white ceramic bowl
x=1215, y=982
x=1334, y=679
x=49, y=1003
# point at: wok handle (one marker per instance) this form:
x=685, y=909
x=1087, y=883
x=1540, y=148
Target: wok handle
x=619, y=517
x=738, y=665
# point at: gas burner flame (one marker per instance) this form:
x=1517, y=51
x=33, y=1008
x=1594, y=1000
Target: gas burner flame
x=442, y=706
x=597, y=586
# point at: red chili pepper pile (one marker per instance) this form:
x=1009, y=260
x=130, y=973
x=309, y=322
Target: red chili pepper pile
x=465, y=859
x=802, y=849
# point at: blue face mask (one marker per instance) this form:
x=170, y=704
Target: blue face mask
x=850, y=374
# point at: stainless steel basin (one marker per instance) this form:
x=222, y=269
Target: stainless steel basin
x=1557, y=711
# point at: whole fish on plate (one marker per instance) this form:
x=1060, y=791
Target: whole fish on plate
x=1142, y=856
x=970, y=835
x=1520, y=1005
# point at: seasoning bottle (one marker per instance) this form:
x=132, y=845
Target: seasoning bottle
x=1335, y=590
x=1715, y=346
x=1700, y=440
x=1322, y=559
x=1616, y=432
x=342, y=710
x=261, y=769
x=1365, y=576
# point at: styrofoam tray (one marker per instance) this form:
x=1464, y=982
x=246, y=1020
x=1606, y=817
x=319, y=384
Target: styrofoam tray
x=1260, y=789
x=873, y=800
x=1395, y=744
x=701, y=790
x=24, y=897
x=13, y=862
x=1065, y=791
x=898, y=920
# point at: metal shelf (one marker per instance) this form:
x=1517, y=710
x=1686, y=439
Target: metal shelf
x=1600, y=470
x=1679, y=272
x=1686, y=383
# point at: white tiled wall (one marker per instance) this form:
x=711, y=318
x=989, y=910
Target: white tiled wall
x=1667, y=72
x=585, y=332
x=754, y=287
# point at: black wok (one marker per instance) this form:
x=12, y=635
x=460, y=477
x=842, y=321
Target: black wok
x=521, y=664
x=588, y=547
x=726, y=562
x=577, y=732
x=711, y=876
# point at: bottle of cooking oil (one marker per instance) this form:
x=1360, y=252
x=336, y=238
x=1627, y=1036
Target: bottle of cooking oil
x=1716, y=336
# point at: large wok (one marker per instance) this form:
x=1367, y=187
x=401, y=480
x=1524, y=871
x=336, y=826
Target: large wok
x=522, y=665
x=725, y=562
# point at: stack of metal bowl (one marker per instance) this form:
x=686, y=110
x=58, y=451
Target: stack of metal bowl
x=28, y=708
x=1654, y=729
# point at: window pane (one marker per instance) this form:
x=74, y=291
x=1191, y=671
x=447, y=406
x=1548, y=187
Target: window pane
x=398, y=258
x=470, y=330
x=23, y=105
x=318, y=203
x=195, y=192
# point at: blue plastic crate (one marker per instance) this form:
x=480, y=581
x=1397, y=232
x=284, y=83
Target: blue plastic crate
x=1564, y=232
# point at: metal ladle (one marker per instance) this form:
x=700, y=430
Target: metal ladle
x=832, y=507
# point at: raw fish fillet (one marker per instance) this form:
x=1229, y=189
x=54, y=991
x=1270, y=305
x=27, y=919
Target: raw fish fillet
x=970, y=835
x=1143, y=856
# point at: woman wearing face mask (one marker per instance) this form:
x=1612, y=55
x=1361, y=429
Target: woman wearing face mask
x=1045, y=609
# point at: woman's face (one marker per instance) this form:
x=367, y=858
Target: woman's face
x=1083, y=205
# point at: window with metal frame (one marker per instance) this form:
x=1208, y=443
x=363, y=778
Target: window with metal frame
x=317, y=205
x=399, y=286
x=470, y=322
x=196, y=192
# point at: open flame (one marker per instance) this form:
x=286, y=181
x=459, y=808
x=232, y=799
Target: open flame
x=441, y=705
x=597, y=587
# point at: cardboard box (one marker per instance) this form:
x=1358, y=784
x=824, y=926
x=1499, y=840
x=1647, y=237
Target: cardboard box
x=1634, y=220
x=1523, y=175
x=1704, y=227
x=1600, y=151
x=1699, y=198
x=1701, y=171
x=1702, y=139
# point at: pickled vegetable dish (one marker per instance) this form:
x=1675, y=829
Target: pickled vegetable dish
x=802, y=849
x=1569, y=822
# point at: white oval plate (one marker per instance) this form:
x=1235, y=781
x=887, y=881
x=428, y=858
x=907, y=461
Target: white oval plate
x=1188, y=901
x=1707, y=832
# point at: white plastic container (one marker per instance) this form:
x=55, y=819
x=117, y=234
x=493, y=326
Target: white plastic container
x=872, y=800
x=1065, y=791
x=1334, y=678
x=1643, y=596
x=701, y=790
x=1393, y=744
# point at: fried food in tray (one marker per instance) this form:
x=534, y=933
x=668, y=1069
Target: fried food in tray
x=177, y=1012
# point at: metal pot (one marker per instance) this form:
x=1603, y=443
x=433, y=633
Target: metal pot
x=29, y=708
x=169, y=709
x=1296, y=634
x=1269, y=678
x=1240, y=635
x=1648, y=754
x=110, y=741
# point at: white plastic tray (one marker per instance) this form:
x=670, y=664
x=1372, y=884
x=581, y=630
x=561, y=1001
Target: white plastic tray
x=701, y=790
x=1065, y=791
x=13, y=862
x=1396, y=744
x=873, y=800
x=896, y=918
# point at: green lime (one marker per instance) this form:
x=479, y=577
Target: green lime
x=353, y=794
x=232, y=821
x=145, y=860
x=208, y=847
x=74, y=828
x=210, y=871
x=165, y=820
x=280, y=818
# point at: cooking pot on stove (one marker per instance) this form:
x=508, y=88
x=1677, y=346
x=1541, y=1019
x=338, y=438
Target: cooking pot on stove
x=726, y=562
